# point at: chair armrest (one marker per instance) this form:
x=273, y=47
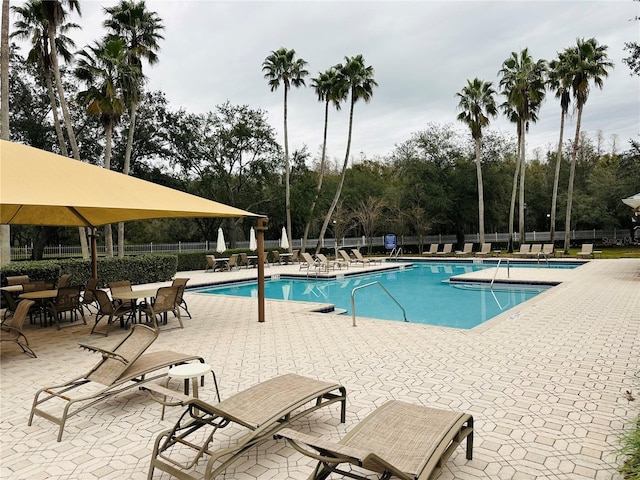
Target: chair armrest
x=105, y=353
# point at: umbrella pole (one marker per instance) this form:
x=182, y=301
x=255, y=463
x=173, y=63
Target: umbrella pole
x=94, y=253
x=260, y=228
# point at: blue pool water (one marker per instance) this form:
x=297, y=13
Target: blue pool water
x=422, y=290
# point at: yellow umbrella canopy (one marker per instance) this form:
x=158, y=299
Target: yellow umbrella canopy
x=42, y=188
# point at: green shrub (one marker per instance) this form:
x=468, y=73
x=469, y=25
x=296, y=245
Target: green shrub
x=36, y=270
x=630, y=449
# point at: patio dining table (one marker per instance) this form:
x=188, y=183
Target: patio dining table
x=40, y=296
x=133, y=296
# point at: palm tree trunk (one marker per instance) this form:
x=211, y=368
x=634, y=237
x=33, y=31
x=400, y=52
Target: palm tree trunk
x=323, y=230
x=126, y=169
x=54, y=110
x=514, y=191
x=320, y=178
x=108, y=239
x=523, y=169
x=5, y=231
x=287, y=171
x=67, y=121
x=556, y=180
x=480, y=190
x=572, y=176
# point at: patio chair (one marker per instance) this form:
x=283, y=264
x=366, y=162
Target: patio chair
x=89, y=300
x=165, y=302
x=108, y=309
x=586, y=252
x=63, y=281
x=295, y=256
x=276, y=257
x=233, y=262
x=11, y=305
x=433, y=249
x=244, y=260
x=362, y=260
x=262, y=410
x=181, y=283
x=485, y=251
x=525, y=249
x=123, y=367
x=211, y=263
x=398, y=439
x=66, y=301
x=447, y=249
x=11, y=328
x=308, y=261
x=17, y=279
x=35, y=286
x=121, y=286
x=466, y=250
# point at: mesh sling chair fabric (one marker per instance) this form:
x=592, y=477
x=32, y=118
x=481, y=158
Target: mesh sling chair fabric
x=262, y=410
x=109, y=310
x=181, y=283
x=398, y=439
x=123, y=367
x=165, y=302
x=67, y=301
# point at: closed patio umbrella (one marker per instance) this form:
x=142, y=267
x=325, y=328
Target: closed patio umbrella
x=633, y=202
x=220, y=245
x=253, y=242
x=284, y=241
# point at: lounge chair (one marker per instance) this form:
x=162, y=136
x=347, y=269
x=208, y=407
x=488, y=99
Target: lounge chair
x=362, y=260
x=446, y=250
x=467, y=250
x=398, y=439
x=263, y=410
x=525, y=248
x=181, y=283
x=586, y=252
x=485, y=251
x=11, y=328
x=123, y=367
x=347, y=259
x=433, y=249
x=326, y=264
x=308, y=261
x=535, y=250
x=548, y=250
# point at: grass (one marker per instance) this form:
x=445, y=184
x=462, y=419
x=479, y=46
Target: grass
x=630, y=449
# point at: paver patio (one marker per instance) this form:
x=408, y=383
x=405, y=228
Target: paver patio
x=545, y=382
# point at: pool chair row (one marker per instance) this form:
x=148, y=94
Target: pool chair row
x=398, y=439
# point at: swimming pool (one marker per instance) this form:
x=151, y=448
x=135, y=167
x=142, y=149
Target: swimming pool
x=422, y=290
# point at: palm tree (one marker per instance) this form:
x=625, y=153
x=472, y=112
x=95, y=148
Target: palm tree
x=5, y=233
x=32, y=25
x=105, y=70
x=523, y=84
x=282, y=67
x=559, y=80
x=325, y=88
x=140, y=29
x=477, y=103
x=588, y=63
x=356, y=79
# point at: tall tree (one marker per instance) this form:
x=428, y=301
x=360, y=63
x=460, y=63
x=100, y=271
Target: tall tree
x=105, y=70
x=477, y=104
x=32, y=25
x=325, y=87
x=357, y=79
x=282, y=67
x=140, y=29
x=5, y=233
x=588, y=64
x=559, y=80
x=523, y=84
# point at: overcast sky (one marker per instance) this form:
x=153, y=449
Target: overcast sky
x=422, y=52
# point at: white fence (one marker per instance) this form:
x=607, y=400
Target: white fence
x=63, y=251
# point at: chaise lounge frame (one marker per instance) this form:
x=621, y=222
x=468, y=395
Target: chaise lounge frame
x=122, y=368
x=263, y=409
x=398, y=439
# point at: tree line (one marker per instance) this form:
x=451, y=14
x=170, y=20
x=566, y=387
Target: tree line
x=440, y=180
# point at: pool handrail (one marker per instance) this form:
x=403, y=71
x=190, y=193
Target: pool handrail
x=353, y=304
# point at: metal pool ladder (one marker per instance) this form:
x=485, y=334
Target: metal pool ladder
x=496, y=272
x=353, y=304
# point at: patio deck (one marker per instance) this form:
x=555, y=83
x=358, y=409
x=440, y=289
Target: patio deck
x=545, y=381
